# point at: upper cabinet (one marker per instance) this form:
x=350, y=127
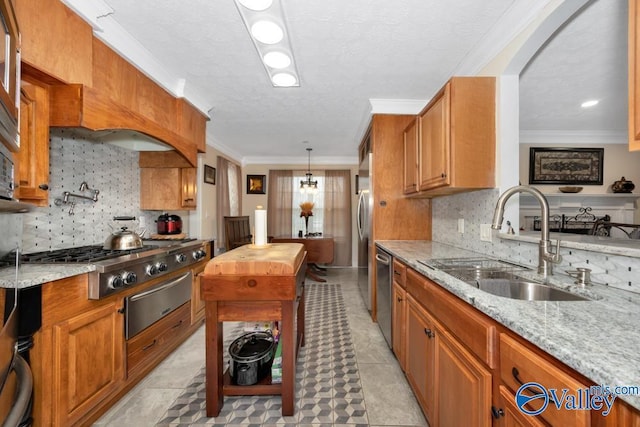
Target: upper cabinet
x=9, y=77
x=167, y=182
x=455, y=140
x=93, y=87
x=32, y=161
x=55, y=41
x=634, y=76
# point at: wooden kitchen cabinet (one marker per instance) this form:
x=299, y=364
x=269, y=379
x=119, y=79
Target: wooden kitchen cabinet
x=410, y=164
x=399, y=312
x=634, y=76
x=197, y=303
x=460, y=377
x=88, y=361
x=420, y=353
x=55, y=41
x=456, y=139
x=510, y=415
x=167, y=181
x=32, y=161
x=167, y=189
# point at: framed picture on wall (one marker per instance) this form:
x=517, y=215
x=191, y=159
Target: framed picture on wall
x=209, y=175
x=582, y=166
x=256, y=184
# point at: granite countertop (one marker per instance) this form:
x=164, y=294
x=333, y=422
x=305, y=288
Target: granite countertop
x=599, y=338
x=36, y=274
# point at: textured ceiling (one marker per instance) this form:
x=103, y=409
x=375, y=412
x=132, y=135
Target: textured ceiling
x=586, y=59
x=348, y=52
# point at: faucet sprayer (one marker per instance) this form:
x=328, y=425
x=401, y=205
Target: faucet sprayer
x=546, y=258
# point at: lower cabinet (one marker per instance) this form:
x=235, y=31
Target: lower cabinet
x=511, y=415
x=197, y=303
x=398, y=322
x=88, y=361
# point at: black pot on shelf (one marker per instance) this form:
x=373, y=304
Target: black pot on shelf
x=251, y=357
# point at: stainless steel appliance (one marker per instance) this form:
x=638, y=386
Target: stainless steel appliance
x=145, y=308
x=363, y=220
x=116, y=270
x=384, y=279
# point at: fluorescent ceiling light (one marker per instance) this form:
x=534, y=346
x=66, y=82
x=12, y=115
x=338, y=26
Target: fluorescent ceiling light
x=267, y=32
x=590, y=103
x=277, y=60
x=257, y=5
x=284, y=79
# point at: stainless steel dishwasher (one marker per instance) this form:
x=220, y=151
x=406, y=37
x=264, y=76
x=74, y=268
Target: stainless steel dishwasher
x=383, y=293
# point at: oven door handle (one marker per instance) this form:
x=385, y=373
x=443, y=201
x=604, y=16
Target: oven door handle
x=174, y=282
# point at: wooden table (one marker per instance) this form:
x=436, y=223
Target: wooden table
x=319, y=251
x=254, y=284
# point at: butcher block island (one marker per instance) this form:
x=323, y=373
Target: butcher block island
x=254, y=283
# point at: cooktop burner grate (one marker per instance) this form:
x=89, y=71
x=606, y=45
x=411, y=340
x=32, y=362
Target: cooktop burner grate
x=77, y=255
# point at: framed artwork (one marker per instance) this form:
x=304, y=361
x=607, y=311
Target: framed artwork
x=209, y=175
x=582, y=166
x=256, y=184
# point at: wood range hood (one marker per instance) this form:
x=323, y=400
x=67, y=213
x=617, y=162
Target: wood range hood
x=81, y=106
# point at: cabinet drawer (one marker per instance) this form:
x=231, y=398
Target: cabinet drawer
x=519, y=364
x=470, y=327
x=400, y=273
x=153, y=340
x=252, y=287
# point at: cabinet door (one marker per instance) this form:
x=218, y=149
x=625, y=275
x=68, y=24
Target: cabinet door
x=160, y=189
x=634, y=77
x=434, y=140
x=189, y=187
x=32, y=165
x=420, y=357
x=88, y=361
x=197, y=303
x=411, y=158
x=399, y=323
x=461, y=378
x=512, y=416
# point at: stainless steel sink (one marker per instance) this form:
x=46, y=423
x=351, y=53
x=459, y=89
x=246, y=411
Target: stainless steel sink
x=519, y=288
x=500, y=278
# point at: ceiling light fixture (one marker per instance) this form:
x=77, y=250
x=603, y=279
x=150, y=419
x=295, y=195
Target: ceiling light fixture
x=590, y=103
x=308, y=185
x=266, y=23
x=257, y=5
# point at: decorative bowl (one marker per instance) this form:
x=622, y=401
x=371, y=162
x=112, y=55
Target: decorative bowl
x=570, y=189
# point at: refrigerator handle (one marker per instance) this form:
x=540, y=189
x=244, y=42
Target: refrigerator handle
x=359, y=217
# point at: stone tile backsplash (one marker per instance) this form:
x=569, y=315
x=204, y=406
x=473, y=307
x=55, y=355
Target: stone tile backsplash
x=477, y=208
x=110, y=169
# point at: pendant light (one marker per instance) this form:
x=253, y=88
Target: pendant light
x=308, y=185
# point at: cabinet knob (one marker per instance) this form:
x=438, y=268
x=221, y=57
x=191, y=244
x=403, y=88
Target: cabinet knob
x=429, y=332
x=43, y=186
x=399, y=299
x=252, y=283
x=443, y=175
x=497, y=412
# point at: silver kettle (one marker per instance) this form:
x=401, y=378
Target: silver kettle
x=123, y=239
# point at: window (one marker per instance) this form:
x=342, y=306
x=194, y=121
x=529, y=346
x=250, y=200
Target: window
x=317, y=220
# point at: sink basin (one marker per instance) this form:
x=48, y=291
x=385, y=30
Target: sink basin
x=519, y=288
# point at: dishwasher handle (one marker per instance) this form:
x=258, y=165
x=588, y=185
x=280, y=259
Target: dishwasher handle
x=383, y=259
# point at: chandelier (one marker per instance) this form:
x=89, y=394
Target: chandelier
x=308, y=185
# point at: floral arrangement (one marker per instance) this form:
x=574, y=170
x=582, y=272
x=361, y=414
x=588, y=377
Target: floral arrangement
x=306, y=209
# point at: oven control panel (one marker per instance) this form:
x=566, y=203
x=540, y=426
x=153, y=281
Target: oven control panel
x=145, y=267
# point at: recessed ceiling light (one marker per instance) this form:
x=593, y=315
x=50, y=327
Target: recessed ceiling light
x=590, y=103
x=267, y=32
x=277, y=60
x=257, y=5
x=283, y=79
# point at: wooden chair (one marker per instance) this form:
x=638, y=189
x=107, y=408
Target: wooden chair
x=237, y=231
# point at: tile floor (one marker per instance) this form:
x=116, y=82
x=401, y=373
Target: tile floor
x=354, y=382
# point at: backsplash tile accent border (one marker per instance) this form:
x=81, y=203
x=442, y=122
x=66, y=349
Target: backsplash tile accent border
x=477, y=208
x=110, y=169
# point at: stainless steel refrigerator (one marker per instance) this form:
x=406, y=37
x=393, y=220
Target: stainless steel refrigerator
x=365, y=205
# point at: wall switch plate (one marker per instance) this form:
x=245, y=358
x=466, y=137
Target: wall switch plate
x=461, y=225
x=485, y=232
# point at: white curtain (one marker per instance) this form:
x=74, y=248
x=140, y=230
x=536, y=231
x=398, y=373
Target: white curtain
x=229, y=202
x=337, y=213
x=279, y=203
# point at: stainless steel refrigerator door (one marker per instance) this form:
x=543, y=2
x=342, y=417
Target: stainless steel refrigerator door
x=363, y=222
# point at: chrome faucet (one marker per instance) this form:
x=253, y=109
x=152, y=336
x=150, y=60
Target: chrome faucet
x=546, y=258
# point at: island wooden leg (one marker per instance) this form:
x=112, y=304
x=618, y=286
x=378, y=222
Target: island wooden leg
x=288, y=357
x=213, y=354
x=300, y=319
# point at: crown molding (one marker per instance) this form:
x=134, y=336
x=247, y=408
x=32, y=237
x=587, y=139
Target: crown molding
x=397, y=106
